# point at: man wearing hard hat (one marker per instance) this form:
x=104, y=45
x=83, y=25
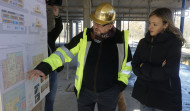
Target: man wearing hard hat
x=104, y=61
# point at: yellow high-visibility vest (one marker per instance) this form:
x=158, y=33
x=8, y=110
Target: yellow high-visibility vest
x=63, y=55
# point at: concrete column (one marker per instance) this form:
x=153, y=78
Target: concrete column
x=148, y=13
x=86, y=13
x=50, y=19
x=182, y=15
x=118, y=24
x=70, y=29
x=77, y=28
x=146, y=26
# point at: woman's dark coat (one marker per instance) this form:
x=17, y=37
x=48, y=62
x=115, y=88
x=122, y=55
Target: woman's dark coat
x=156, y=86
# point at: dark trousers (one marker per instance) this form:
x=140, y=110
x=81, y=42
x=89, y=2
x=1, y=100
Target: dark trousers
x=106, y=100
x=50, y=97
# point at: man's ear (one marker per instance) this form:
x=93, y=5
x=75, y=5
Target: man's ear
x=110, y=26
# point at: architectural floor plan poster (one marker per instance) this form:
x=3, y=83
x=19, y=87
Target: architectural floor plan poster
x=23, y=45
x=39, y=88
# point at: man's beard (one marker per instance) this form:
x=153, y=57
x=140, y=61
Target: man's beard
x=106, y=35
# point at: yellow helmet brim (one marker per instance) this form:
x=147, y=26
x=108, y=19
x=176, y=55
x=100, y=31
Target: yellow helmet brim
x=93, y=18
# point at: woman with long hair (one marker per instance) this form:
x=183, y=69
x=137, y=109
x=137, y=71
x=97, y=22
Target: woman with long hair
x=156, y=64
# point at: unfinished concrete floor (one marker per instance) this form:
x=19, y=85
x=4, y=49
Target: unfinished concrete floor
x=66, y=101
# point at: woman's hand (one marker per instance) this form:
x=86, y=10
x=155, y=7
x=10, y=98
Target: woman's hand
x=164, y=63
x=141, y=65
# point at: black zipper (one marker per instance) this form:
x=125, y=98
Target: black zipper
x=151, y=49
x=96, y=67
x=151, y=52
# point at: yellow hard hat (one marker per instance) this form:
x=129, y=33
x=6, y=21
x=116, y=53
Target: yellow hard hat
x=104, y=14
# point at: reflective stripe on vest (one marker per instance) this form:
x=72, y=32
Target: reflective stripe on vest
x=81, y=60
x=59, y=57
x=126, y=69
